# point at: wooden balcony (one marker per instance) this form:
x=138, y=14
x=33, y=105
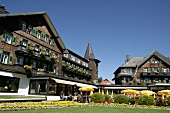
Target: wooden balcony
x=20, y=49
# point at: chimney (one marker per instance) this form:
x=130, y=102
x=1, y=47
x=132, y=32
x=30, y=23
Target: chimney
x=2, y=10
x=127, y=58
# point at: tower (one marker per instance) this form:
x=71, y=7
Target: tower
x=93, y=63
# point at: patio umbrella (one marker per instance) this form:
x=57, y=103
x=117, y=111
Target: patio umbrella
x=86, y=89
x=129, y=91
x=164, y=93
x=147, y=92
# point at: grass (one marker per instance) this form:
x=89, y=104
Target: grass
x=92, y=110
x=18, y=97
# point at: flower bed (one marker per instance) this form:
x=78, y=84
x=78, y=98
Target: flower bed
x=59, y=104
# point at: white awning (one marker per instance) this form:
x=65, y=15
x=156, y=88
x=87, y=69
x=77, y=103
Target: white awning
x=73, y=83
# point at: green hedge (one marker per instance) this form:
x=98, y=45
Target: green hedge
x=97, y=97
x=120, y=98
x=146, y=100
x=168, y=98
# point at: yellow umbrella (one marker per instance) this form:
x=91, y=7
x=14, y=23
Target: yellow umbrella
x=164, y=92
x=147, y=92
x=129, y=91
x=86, y=89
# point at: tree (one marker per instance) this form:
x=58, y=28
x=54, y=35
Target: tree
x=100, y=79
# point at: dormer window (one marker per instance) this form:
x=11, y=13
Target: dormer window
x=38, y=34
x=29, y=30
x=23, y=27
x=65, y=55
x=46, y=38
x=8, y=38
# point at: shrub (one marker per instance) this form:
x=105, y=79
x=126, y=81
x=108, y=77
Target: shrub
x=106, y=97
x=97, y=97
x=168, y=98
x=119, y=98
x=146, y=100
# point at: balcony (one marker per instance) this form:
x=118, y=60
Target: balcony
x=32, y=53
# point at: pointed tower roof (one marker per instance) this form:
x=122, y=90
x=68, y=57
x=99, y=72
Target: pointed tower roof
x=89, y=52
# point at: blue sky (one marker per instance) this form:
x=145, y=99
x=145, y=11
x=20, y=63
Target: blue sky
x=115, y=28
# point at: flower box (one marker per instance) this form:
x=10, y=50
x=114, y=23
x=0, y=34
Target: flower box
x=53, y=57
x=28, y=67
x=43, y=53
x=41, y=70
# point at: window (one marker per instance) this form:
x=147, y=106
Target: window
x=29, y=30
x=23, y=27
x=34, y=64
x=165, y=70
x=47, y=52
x=66, y=55
x=24, y=42
x=155, y=69
x=8, y=38
x=39, y=34
x=36, y=48
x=155, y=79
x=86, y=64
x=50, y=41
x=77, y=60
x=145, y=70
x=83, y=63
x=21, y=61
x=9, y=84
x=4, y=58
x=72, y=58
x=46, y=38
x=152, y=61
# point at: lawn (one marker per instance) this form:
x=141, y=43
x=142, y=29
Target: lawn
x=18, y=97
x=92, y=110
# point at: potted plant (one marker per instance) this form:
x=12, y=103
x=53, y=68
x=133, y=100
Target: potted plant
x=41, y=70
x=53, y=57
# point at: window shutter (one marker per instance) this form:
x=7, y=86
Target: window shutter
x=28, y=43
x=3, y=37
x=35, y=31
x=17, y=60
x=58, y=58
x=40, y=48
x=52, y=42
x=10, y=58
x=1, y=51
x=21, y=41
x=56, y=71
x=14, y=39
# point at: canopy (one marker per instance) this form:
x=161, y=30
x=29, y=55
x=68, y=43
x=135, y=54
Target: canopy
x=147, y=92
x=129, y=91
x=86, y=89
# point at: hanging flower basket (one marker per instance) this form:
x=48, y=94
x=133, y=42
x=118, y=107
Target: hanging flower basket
x=30, y=48
x=53, y=57
x=43, y=53
x=28, y=67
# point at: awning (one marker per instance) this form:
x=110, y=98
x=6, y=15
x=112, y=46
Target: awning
x=73, y=83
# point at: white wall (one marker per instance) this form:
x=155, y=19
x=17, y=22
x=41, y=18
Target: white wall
x=23, y=83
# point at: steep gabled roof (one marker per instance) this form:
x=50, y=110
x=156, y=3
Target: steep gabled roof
x=159, y=55
x=89, y=53
x=48, y=21
x=106, y=82
x=133, y=62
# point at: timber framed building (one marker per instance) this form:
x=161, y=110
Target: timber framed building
x=34, y=60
